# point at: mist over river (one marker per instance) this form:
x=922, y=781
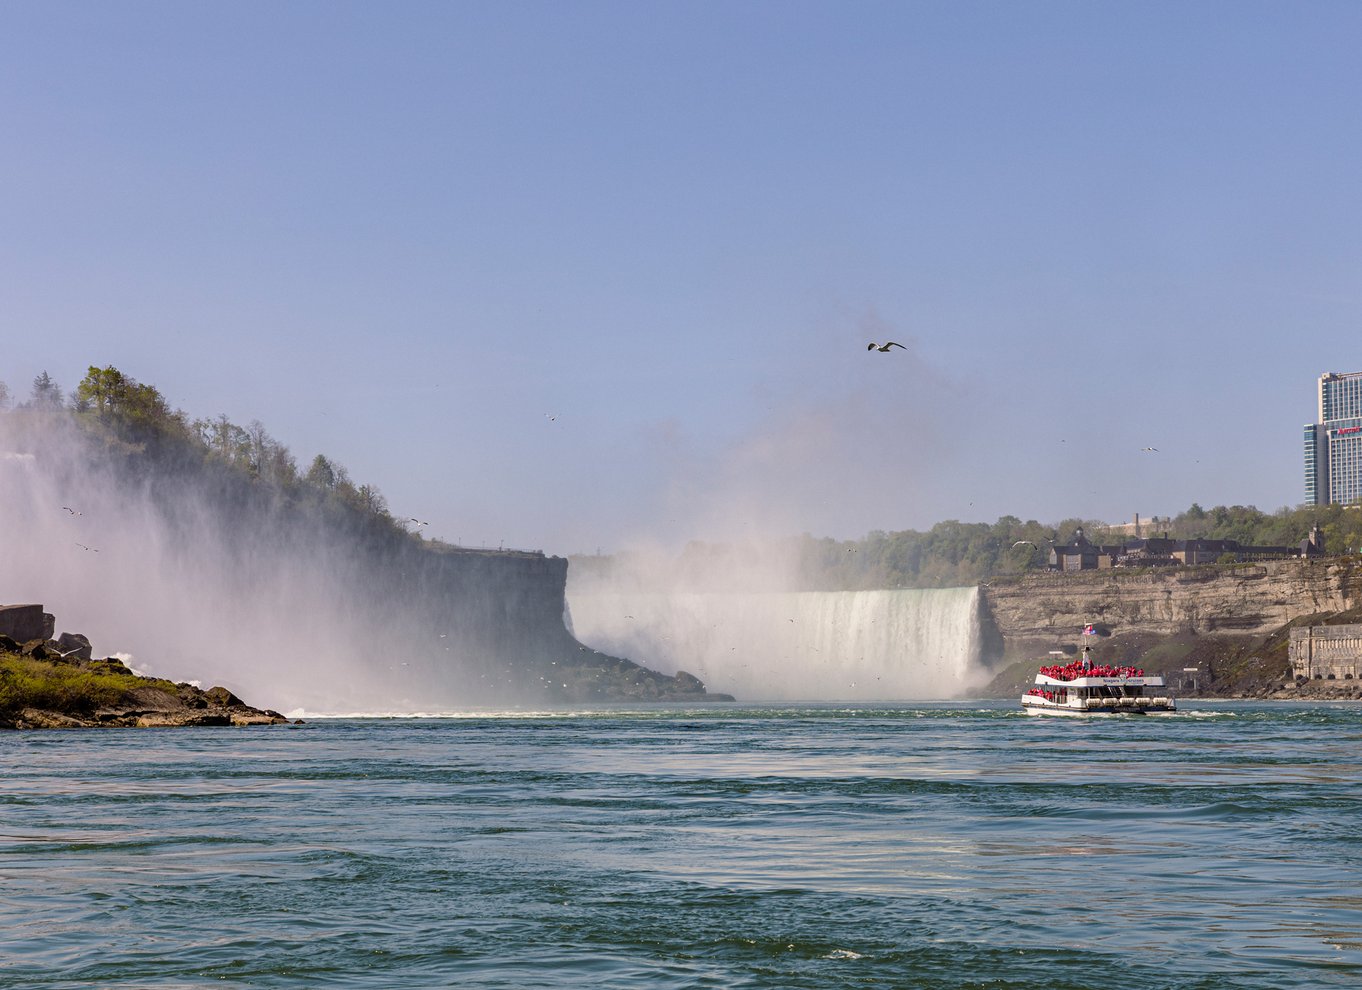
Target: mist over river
x=934, y=845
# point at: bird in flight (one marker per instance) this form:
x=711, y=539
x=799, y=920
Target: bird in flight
x=91, y=549
x=1151, y=450
x=71, y=510
x=883, y=348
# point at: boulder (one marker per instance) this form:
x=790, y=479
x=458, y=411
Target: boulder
x=110, y=665
x=222, y=697
x=23, y=623
x=37, y=649
x=176, y=720
x=249, y=716
x=75, y=645
x=32, y=718
x=688, y=683
x=191, y=696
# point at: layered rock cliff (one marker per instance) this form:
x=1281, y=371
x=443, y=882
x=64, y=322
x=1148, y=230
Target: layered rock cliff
x=1047, y=611
x=1228, y=622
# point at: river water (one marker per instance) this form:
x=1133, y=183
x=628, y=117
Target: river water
x=943, y=845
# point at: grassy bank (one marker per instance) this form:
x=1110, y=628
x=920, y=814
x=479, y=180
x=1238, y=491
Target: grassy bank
x=76, y=689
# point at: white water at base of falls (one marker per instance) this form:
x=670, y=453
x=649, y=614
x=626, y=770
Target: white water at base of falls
x=805, y=646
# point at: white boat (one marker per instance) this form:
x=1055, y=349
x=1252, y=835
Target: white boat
x=1085, y=688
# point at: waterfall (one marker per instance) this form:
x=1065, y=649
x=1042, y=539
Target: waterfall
x=808, y=646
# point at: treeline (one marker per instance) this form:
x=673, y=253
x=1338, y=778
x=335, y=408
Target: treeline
x=128, y=416
x=955, y=554
x=133, y=418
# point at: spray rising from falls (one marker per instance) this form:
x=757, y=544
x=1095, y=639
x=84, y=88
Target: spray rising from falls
x=815, y=645
x=291, y=599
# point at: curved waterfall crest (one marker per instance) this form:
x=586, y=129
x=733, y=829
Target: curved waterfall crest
x=807, y=646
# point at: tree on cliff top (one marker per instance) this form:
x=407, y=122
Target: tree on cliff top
x=115, y=399
x=135, y=420
x=46, y=394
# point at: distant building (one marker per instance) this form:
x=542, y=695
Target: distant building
x=1333, y=444
x=1139, y=527
x=1080, y=554
x=1326, y=652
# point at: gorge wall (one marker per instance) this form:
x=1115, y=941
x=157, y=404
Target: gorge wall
x=1040, y=612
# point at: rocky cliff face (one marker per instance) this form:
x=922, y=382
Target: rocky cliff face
x=502, y=613
x=1042, y=612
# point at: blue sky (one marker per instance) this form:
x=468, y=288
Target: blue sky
x=407, y=235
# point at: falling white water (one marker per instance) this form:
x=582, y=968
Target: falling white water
x=810, y=646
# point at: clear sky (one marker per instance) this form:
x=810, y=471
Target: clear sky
x=574, y=275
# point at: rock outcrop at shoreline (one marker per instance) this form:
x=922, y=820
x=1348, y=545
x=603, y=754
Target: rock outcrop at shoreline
x=595, y=677
x=147, y=708
x=48, y=683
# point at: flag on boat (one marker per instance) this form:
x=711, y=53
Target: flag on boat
x=1088, y=630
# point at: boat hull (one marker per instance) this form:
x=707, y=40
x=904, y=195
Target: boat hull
x=1096, y=712
x=1073, y=711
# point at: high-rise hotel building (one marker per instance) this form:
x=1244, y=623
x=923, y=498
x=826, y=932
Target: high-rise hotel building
x=1333, y=445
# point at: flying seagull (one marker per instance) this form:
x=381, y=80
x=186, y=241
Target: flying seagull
x=883, y=348
x=84, y=547
x=71, y=510
x=1022, y=543
x=1152, y=450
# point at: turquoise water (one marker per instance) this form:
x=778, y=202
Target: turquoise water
x=953, y=846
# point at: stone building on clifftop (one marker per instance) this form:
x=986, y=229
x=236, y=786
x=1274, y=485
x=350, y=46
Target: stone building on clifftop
x=1080, y=554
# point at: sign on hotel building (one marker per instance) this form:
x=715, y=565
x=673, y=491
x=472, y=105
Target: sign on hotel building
x=1331, y=653
x=1333, y=444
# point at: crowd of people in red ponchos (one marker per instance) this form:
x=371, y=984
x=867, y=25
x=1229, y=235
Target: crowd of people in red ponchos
x=1080, y=668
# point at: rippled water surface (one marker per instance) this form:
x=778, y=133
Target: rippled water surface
x=908, y=846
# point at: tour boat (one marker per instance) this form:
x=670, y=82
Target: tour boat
x=1082, y=687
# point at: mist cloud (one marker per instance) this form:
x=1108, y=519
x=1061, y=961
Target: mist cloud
x=848, y=441
x=197, y=577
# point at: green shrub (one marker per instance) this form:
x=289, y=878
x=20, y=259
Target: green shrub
x=28, y=683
